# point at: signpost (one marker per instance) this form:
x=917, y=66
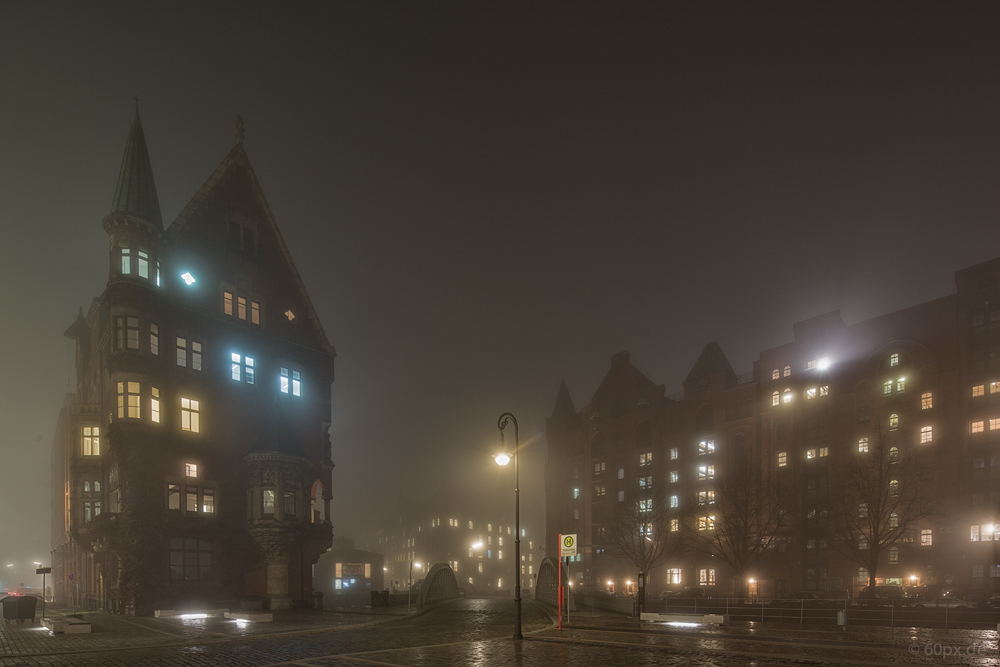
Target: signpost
x=567, y=549
x=43, y=571
x=71, y=577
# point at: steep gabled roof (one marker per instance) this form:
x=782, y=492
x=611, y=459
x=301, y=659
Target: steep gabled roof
x=564, y=404
x=711, y=362
x=135, y=193
x=233, y=163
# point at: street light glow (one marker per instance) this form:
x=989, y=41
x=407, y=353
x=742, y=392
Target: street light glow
x=503, y=458
x=477, y=545
x=823, y=363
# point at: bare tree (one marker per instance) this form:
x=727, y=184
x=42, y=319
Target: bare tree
x=638, y=529
x=881, y=500
x=739, y=520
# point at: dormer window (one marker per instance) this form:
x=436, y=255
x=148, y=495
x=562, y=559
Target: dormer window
x=241, y=307
x=290, y=382
x=190, y=469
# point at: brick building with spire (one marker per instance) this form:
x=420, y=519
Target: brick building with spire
x=192, y=464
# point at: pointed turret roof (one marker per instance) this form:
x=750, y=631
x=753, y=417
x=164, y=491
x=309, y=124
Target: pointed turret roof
x=277, y=434
x=711, y=361
x=564, y=404
x=136, y=193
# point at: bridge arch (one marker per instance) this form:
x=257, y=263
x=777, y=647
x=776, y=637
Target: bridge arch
x=439, y=584
x=547, y=583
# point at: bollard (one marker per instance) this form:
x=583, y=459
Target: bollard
x=842, y=619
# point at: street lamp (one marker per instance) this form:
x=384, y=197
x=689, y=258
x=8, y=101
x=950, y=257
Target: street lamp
x=409, y=592
x=503, y=458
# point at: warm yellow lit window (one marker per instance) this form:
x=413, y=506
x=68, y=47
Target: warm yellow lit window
x=926, y=401
x=154, y=405
x=91, y=441
x=786, y=396
x=208, y=501
x=977, y=427
x=154, y=339
x=994, y=424
x=227, y=303
x=675, y=525
x=128, y=400
x=241, y=308
x=775, y=399
x=782, y=459
x=978, y=390
x=190, y=415
x=824, y=451
x=810, y=393
x=994, y=387
x=893, y=422
x=775, y=374
x=824, y=390
x=887, y=387
x=862, y=445
x=190, y=469
x=254, y=312
x=810, y=453
x=926, y=434
x=787, y=371
x=901, y=384
x=894, y=359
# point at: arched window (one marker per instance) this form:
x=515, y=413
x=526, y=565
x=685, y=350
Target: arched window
x=894, y=359
x=786, y=395
x=86, y=487
x=97, y=486
x=894, y=455
x=894, y=487
x=318, y=505
x=893, y=421
x=787, y=371
x=489, y=528
x=894, y=520
x=893, y=555
x=775, y=398
x=775, y=374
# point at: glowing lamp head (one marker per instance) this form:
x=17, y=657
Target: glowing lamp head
x=503, y=458
x=477, y=545
x=823, y=363
x=416, y=565
x=752, y=580
x=913, y=577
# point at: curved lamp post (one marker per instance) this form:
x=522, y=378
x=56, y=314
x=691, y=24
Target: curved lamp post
x=503, y=458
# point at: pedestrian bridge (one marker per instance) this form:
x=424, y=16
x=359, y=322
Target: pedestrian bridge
x=439, y=584
x=547, y=583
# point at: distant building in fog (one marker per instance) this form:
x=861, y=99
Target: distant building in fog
x=929, y=373
x=459, y=528
x=192, y=462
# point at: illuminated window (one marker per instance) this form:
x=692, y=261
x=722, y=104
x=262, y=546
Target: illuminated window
x=645, y=458
x=126, y=261
x=894, y=359
x=894, y=488
x=994, y=387
x=190, y=415
x=154, y=405
x=893, y=555
x=182, y=352
x=782, y=459
x=621, y=496
x=787, y=371
x=290, y=315
x=810, y=453
x=862, y=445
x=863, y=511
x=195, y=355
x=190, y=469
x=128, y=400
x=291, y=382
x=926, y=538
x=674, y=454
x=242, y=368
x=706, y=523
x=674, y=476
x=862, y=542
x=926, y=401
x=926, y=434
x=576, y=492
x=675, y=525
x=786, y=396
x=706, y=472
x=824, y=451
x=173, y=496
x=154, y=339
x=621, y=473
x=208, y=501
x=480, y=568
x=887, y=387
x=241, y=307
x=267, y=499
x=254, y=312
x=470, y=525
x=675, y=502
x=977, y=426
x=499, y=554
x=901, y=384
x=191, y=499
x=894, y=455
x=775, y=374
x=978, y=390
x=91, y=441
x=894, y=520
x=706, y=447
x=227, y=303
x=775, y=399
x=824, y=390
x=706, y=577
x=674, y=575
x=994, y=424
x=646, y=482
x=599, y=468
x=706, y=497
x=810, y=365
x=143, y=264
x=893, y=422
x=810, y=393
x=646, y=505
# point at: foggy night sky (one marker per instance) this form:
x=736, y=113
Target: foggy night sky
x=483, y=199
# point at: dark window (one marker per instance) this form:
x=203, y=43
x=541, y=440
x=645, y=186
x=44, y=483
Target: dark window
x=862, y=413
x=190, y=559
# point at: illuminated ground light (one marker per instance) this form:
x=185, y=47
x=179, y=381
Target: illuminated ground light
x=187, y=277
x=192, y=617
x=683, y=624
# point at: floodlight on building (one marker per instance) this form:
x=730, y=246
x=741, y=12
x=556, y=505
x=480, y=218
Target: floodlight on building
x=823, y=363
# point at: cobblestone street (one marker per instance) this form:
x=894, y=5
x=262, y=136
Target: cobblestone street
x=477, y=632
